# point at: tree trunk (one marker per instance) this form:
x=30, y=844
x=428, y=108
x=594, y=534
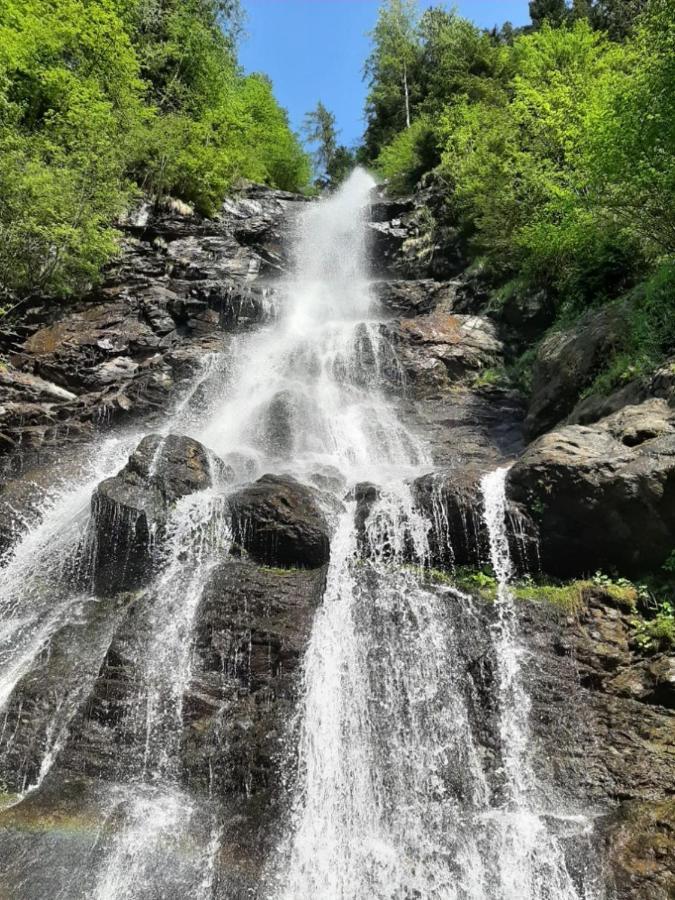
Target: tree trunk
x=405, y=94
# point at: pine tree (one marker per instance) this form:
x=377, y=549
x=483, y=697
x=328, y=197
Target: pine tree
x=319, y=128
x=554, y=12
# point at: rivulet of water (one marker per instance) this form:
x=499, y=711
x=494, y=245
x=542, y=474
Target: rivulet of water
x=529, y=857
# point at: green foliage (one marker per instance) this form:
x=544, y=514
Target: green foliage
x=569, y=597
x=657, y=633
x=334, y=162
x=623, y=591
x=649, y=336
x=69, y=95
x=488, y=378
x=405, y=159
x=99, y=98
x=392, y=73
x=548, y=12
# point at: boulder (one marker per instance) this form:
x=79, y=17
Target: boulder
x=278, y=521
x=567, y=362
x=129, y=510
x=413, y=298
x=603, y=496
x=440, y=348
x=452, y=502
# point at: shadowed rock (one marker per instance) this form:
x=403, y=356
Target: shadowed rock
x=603, y=496
x=129, y=510
x=567, y=362
x=278, y=521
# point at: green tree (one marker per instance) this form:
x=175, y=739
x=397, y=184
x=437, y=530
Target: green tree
x=617, y=17
x=70, y=99
x=391, y=71
x=456, y=57
x=334, y=161
x=552, y=12
x=631, y=134
x=320, y=129
x=101, y=98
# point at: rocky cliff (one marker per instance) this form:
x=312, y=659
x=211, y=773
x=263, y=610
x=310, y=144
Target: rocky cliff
x=592, y=487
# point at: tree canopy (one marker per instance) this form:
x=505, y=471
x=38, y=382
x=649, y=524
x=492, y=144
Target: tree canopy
x=553, y=147
x=100, y=99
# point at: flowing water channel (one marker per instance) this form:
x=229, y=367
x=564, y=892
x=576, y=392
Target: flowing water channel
x=394, y=796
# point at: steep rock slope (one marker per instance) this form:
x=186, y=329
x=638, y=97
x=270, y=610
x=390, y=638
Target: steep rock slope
x=582, y=497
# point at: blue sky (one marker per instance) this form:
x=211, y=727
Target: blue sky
x=315, y=49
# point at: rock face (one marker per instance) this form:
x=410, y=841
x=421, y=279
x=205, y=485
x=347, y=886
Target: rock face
x=414, y=297
x=441, y=344
x=129, y=511
x=180, y=283
x=603, y=496
x=252, y=627
x=278, y=521
x=603, y=720
x=596, y=492
x=567, y=361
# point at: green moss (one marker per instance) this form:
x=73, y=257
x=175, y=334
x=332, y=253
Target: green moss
x=490, y=378
x=8, y=798
x=275, y=570
x=657, y=633
x=569, y=597
x=624, y=593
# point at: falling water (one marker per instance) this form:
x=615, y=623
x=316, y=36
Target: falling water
x=531, y=862
x=393, y=795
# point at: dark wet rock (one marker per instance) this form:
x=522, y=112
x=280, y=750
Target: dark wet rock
x=603, y=496
x=452, y=502
x=567, y=362
x=279, y=522
x=384, y=208
x=129, y=510
x=462, y=426
x=413, y=298
x=642, y=850
x=596, y=745
x=414, y=241
x=252, y=627
x=328, y=478
x=528, y=314
x=453, y=506
x=365, y=495
x=387, y=241
x=44, y=703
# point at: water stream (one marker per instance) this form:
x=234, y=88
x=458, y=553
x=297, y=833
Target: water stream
x=394, y=796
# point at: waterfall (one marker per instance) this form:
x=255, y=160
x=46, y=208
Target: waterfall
x=531, y=863
x=393, y=790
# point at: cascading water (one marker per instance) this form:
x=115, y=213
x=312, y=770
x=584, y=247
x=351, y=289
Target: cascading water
x=393, y=795
x=530, y=861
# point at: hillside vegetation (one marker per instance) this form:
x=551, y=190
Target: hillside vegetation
x=551, y=148
x=100, y=99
